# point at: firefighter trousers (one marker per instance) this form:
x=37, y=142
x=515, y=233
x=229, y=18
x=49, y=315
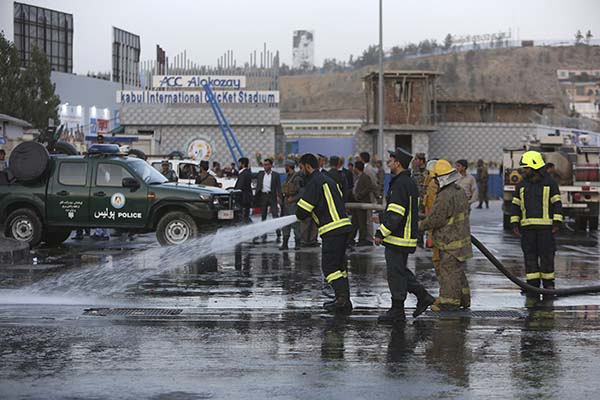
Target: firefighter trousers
x=401, y=280
x=333, y=263
x=454, y=287
x=538, y=250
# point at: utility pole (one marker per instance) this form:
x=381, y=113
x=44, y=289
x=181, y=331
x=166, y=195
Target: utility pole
x=380, y=145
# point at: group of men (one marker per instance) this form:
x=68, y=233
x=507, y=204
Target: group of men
x=536, y=216
x=433, y=197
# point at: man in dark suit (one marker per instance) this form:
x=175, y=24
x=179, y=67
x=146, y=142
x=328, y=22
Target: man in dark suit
x=268, y=192
x=244, y=183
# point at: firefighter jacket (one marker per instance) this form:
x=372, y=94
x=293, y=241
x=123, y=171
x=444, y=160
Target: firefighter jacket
x=449, y=222
x=400, y=220
x=536, y=203
x=322, y=200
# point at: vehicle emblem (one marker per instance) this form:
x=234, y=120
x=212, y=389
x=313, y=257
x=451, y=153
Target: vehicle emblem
x=117, y=200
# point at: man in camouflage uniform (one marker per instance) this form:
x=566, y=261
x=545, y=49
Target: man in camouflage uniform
x=291, y=194
x=449, y=221
x=419, y=173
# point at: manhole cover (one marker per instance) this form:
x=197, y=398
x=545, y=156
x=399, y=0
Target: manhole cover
x=133, y=312
x=476, y=314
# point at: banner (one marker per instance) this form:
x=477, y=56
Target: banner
x=198, y=81
x=197, y=97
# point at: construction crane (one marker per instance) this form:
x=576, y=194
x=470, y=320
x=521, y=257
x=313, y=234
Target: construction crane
x=230, y=139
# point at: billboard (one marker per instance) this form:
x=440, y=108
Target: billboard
x=303, y=50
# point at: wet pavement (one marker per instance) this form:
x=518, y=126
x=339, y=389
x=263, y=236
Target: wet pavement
x=246, y=322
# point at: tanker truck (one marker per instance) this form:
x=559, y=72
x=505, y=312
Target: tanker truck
x=576, y=170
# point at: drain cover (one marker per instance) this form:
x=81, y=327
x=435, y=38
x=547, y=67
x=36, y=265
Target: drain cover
x=133, y=312
x=477, y=314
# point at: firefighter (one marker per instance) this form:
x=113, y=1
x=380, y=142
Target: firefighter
x=451, y=232
x=322, y=201
x=398, y=233
x=291, y=194
x=536, y=216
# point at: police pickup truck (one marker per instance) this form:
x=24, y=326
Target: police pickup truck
x=44, y=197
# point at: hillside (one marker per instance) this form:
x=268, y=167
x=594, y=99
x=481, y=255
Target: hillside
x=517, y=74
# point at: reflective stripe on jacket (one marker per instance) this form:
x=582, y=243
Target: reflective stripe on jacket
x=536, y=204
x=449, y=221
x=399, y=224
x=322, y=200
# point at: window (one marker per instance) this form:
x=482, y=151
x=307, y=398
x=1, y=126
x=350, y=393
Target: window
x=580, y=91
x=72, y=174
x=403, y=92
x=188, y=171
x=111, y=175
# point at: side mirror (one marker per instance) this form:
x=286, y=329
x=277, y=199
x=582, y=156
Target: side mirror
x=130, y=183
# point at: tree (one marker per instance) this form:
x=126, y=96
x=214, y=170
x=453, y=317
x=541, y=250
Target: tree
x=40, y=102
x=10, y=75
x=588, y=37
x=28, y=94
x=578, y=37
x=448, y=42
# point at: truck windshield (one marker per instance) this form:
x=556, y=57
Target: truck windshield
x=147, y=173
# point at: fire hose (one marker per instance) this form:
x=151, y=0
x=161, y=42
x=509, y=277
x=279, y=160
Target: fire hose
x=523, y=285
x=526, y=287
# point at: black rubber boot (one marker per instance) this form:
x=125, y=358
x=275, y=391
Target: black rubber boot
x=424, y=300
x=284, y=245
x=394, y=314
x=341, y=305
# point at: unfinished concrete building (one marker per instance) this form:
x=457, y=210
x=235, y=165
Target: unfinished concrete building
x=410, y=105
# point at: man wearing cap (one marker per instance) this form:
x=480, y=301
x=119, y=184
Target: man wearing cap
x=398, y=233
x=339, y=178
x=321, y=201
x=467, y=182
x=451, y=232
x=205, y=178
x=291, y=194
x=168, y=172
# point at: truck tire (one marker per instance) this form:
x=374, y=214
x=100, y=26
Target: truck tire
x=24, y=225
x=175, y=227
x=28, y=161
x=580, y=224
x=56, y=237
x=506, y=222
x=65, y=148
x=593, y=223
x=137, y=153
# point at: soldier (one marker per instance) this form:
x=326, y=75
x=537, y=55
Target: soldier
x=449, y=221
x=419, y=174
x=205, y=178
x=482, y=181
x=168, y=172
x=291, y=194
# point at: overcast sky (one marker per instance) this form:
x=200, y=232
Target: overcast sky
x=206, y=29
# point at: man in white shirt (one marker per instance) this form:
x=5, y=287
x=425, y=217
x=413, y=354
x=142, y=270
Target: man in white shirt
x=268, y=188
x=467, y=182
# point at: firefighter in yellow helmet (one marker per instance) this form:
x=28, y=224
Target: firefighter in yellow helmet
x=536, y=216
x=451, y=231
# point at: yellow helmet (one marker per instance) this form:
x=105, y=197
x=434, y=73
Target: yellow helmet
x=532, y=159
x=442, y=167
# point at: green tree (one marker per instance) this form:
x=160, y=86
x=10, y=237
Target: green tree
x=448, y=42
x=10, y=76
x=40, y=102
x=28, y=94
